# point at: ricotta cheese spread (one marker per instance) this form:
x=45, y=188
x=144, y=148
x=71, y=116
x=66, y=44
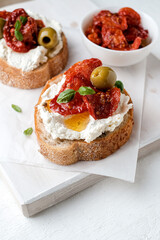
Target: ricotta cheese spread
x=35, y=57
x=54, y=122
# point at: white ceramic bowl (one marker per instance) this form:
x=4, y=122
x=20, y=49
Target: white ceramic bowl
x=115, y=57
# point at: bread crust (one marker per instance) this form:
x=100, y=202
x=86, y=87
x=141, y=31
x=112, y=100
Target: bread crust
x=66, y=152
x=38, y=77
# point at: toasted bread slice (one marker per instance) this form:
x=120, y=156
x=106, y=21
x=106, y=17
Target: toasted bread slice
x=66, y=152
x=38, y=77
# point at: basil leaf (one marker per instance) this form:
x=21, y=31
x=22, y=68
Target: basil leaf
x=120, y=85
x=16, y=108
x=86, y=91
x=66, y=96
x=18, y=35
x=28, y=131
x=17, y=25
x=23, y=19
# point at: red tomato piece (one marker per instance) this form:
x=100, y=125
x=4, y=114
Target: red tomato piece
x=93, y=37
x=115, y=95
x=94, y=34
x=97, y=20
x=114, y=21
x=100, y=105
x=136, y=44
x=4, y=14
x=76, y=76
x=75, y=83
x=93, y=29
x=29, y=31
x=117, y=31
x=103, y=104
x=40, y=24
x=113, y=38
x=133, y=18
x=82, y=69
x=75, y=106
x=132, y=32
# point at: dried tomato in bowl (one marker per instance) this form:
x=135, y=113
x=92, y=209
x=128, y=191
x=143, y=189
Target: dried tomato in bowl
x=117, y=31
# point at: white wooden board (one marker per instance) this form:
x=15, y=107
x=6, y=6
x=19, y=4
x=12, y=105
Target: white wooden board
x=36, y=189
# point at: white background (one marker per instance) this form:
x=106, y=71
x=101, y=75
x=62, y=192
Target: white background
x=112, y=209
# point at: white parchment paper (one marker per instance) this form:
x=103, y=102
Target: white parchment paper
x=15, y=147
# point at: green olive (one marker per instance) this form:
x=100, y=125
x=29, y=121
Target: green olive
x=103, y=77
x=47, y=37
x=2, y=22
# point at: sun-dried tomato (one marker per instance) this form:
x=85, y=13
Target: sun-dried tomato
x=76, y=76
x=114, y=21
x=75, y=106
x=40, y=24
x=132, y=32
x=83, y=68
x=75, y=83
x=97, y=20
x=100, y=105
x=103, y=104
x=117, y=31
x=136, y=44
x=93, y=37
x=113, y=38
x=94, y=34
x=133, y=18
x=29, y=31
x=4, y=14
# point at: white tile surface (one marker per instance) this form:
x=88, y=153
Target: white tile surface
x=112, y=209
x=109, y=210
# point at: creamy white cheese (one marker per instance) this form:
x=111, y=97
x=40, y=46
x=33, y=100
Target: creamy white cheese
x=54, y=122
x=35, y=57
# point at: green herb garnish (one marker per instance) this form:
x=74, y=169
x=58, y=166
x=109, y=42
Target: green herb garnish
x=17, y=33
x=119, y=85
x=67, y=95
x=17, y=25
x=16, y=108
x=28, y=131
x=86, y=91
x=23, y=19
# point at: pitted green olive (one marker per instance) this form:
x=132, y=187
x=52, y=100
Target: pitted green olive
x=2, y=22
x=103, y=78
x=47, y=37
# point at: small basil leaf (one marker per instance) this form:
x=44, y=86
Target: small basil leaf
x=28, y=131
x=86, y=91
x=18, y=35
x=119, y=85
x=23, y=19
x=66, y=96
x=17, y=25
x=16, y=108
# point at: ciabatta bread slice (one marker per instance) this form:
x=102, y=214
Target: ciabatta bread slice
x=38, y=77
x=66, y=152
